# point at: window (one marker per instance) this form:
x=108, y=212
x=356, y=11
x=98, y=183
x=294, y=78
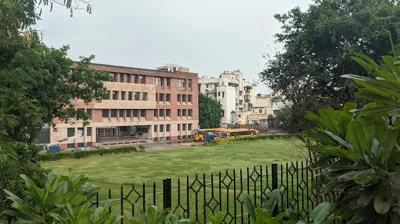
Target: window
x=142, y=113
x=137, y=96
x=179, y=97
x=136, y=78
x=135, y=113
x=179, y=127
x=184, y=127
x=121, y=77
x=167, y=127
x=168, y=81
x=222, y=113
x=89, y=131
x=159, y=81
x=130, y=96
x=113, y=113
x=70, y=132
x=105, y=113
x=142, y=79
x=108, y=95
x=161, y=97
x=168, y=112
x=155, y=113
x=123, y=95
x=144, y=96
x=206, y=85
x=184, y=98
x=115, y=95
x=189, y=127
x=161, y=128
x=161, y=112
x=239, y=116
x=71, y=113
x=260, y=111
x=189, y=98
x=179, y=112
x=190, y=111
x=121, y=113
x=219, y=93
x=155, y=128
x=89, y=112
x=123, y=128
x=128, y=113
x=115, y=77
x=181, y=83
x=223, y=94
x=240, y=93
x=184, y=112
x=168, y=98
x=128, y=78
x=81, y=132
x=189, y=83
x=71, y=145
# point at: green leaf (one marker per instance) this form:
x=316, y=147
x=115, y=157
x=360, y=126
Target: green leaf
x=355, y=136
x=382, y=202
x=335, y=152
x=321, y=212
x=389, y=144
x=366, y=196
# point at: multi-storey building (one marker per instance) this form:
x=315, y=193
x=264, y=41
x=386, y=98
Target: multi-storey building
x=159, y=105
x=232, y=91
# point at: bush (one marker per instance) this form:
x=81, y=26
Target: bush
x=86, y=153
x=224, y=141
x=140, y=148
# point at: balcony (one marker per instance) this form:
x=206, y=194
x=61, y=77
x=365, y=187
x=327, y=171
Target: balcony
x=257, y=117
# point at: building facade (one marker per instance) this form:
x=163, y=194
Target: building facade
x=232, y=91
x=153, y=105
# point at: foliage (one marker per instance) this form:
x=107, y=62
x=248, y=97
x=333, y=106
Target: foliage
x=216, y=217
x=85, y=214
x=17, y=158
x=225, y=141
x=357, y=149
x=209, y=112
x=284, y=119
x=86, y=153
x=59, y=192
x=318, y=44
x=141, y=148
x=153, y=216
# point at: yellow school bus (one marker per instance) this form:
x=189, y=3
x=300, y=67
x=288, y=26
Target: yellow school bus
x=200, y=134
x=238, y=133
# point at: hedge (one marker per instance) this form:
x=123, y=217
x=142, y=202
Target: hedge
x=86, y=153
x=224, y=141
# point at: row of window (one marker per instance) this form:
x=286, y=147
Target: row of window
x=80, y=145
x=81, y=132
x=121, y=113
x=160, y=128
x=183, y=137
x=182, y=112
x=182, y=98
x=128, y=78
x=127, y=95
x=141, y=79
x=160, y=113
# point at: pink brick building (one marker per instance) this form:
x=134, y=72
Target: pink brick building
x=159, y=105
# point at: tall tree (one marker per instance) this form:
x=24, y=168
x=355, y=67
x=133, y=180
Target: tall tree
x=209, y=112
x=318, y=44
x=36, y=86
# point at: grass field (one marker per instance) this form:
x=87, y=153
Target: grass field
x=110, y=172
x=137, y=168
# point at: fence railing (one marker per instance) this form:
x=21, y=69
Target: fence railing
x=222, y=191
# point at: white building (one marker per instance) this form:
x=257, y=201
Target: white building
x=233, y=92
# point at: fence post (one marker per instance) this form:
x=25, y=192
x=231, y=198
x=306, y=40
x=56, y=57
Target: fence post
x=275, y=185
x=167, y=188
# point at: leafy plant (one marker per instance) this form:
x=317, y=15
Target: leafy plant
x=88, y=215
x=86, y=153
x=153, y=216
x=59, y=192
x=216, y=218
x=357, y=149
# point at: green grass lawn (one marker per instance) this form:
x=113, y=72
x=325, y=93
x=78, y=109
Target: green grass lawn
x=111, y=172
x=138, y=168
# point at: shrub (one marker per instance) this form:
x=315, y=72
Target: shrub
x=86, y=153
x=140, y=148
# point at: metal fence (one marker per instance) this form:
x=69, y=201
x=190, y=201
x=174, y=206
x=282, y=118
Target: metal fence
x=195, y=195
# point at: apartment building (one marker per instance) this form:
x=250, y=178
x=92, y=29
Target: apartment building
x=144, y=104
x=232, y=91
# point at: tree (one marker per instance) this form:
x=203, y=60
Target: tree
x=209, y=112
x=37, y=85
x=318, y=44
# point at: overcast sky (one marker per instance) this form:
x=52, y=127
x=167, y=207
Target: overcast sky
x=207, y=36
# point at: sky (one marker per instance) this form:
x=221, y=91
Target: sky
x=207, y=36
